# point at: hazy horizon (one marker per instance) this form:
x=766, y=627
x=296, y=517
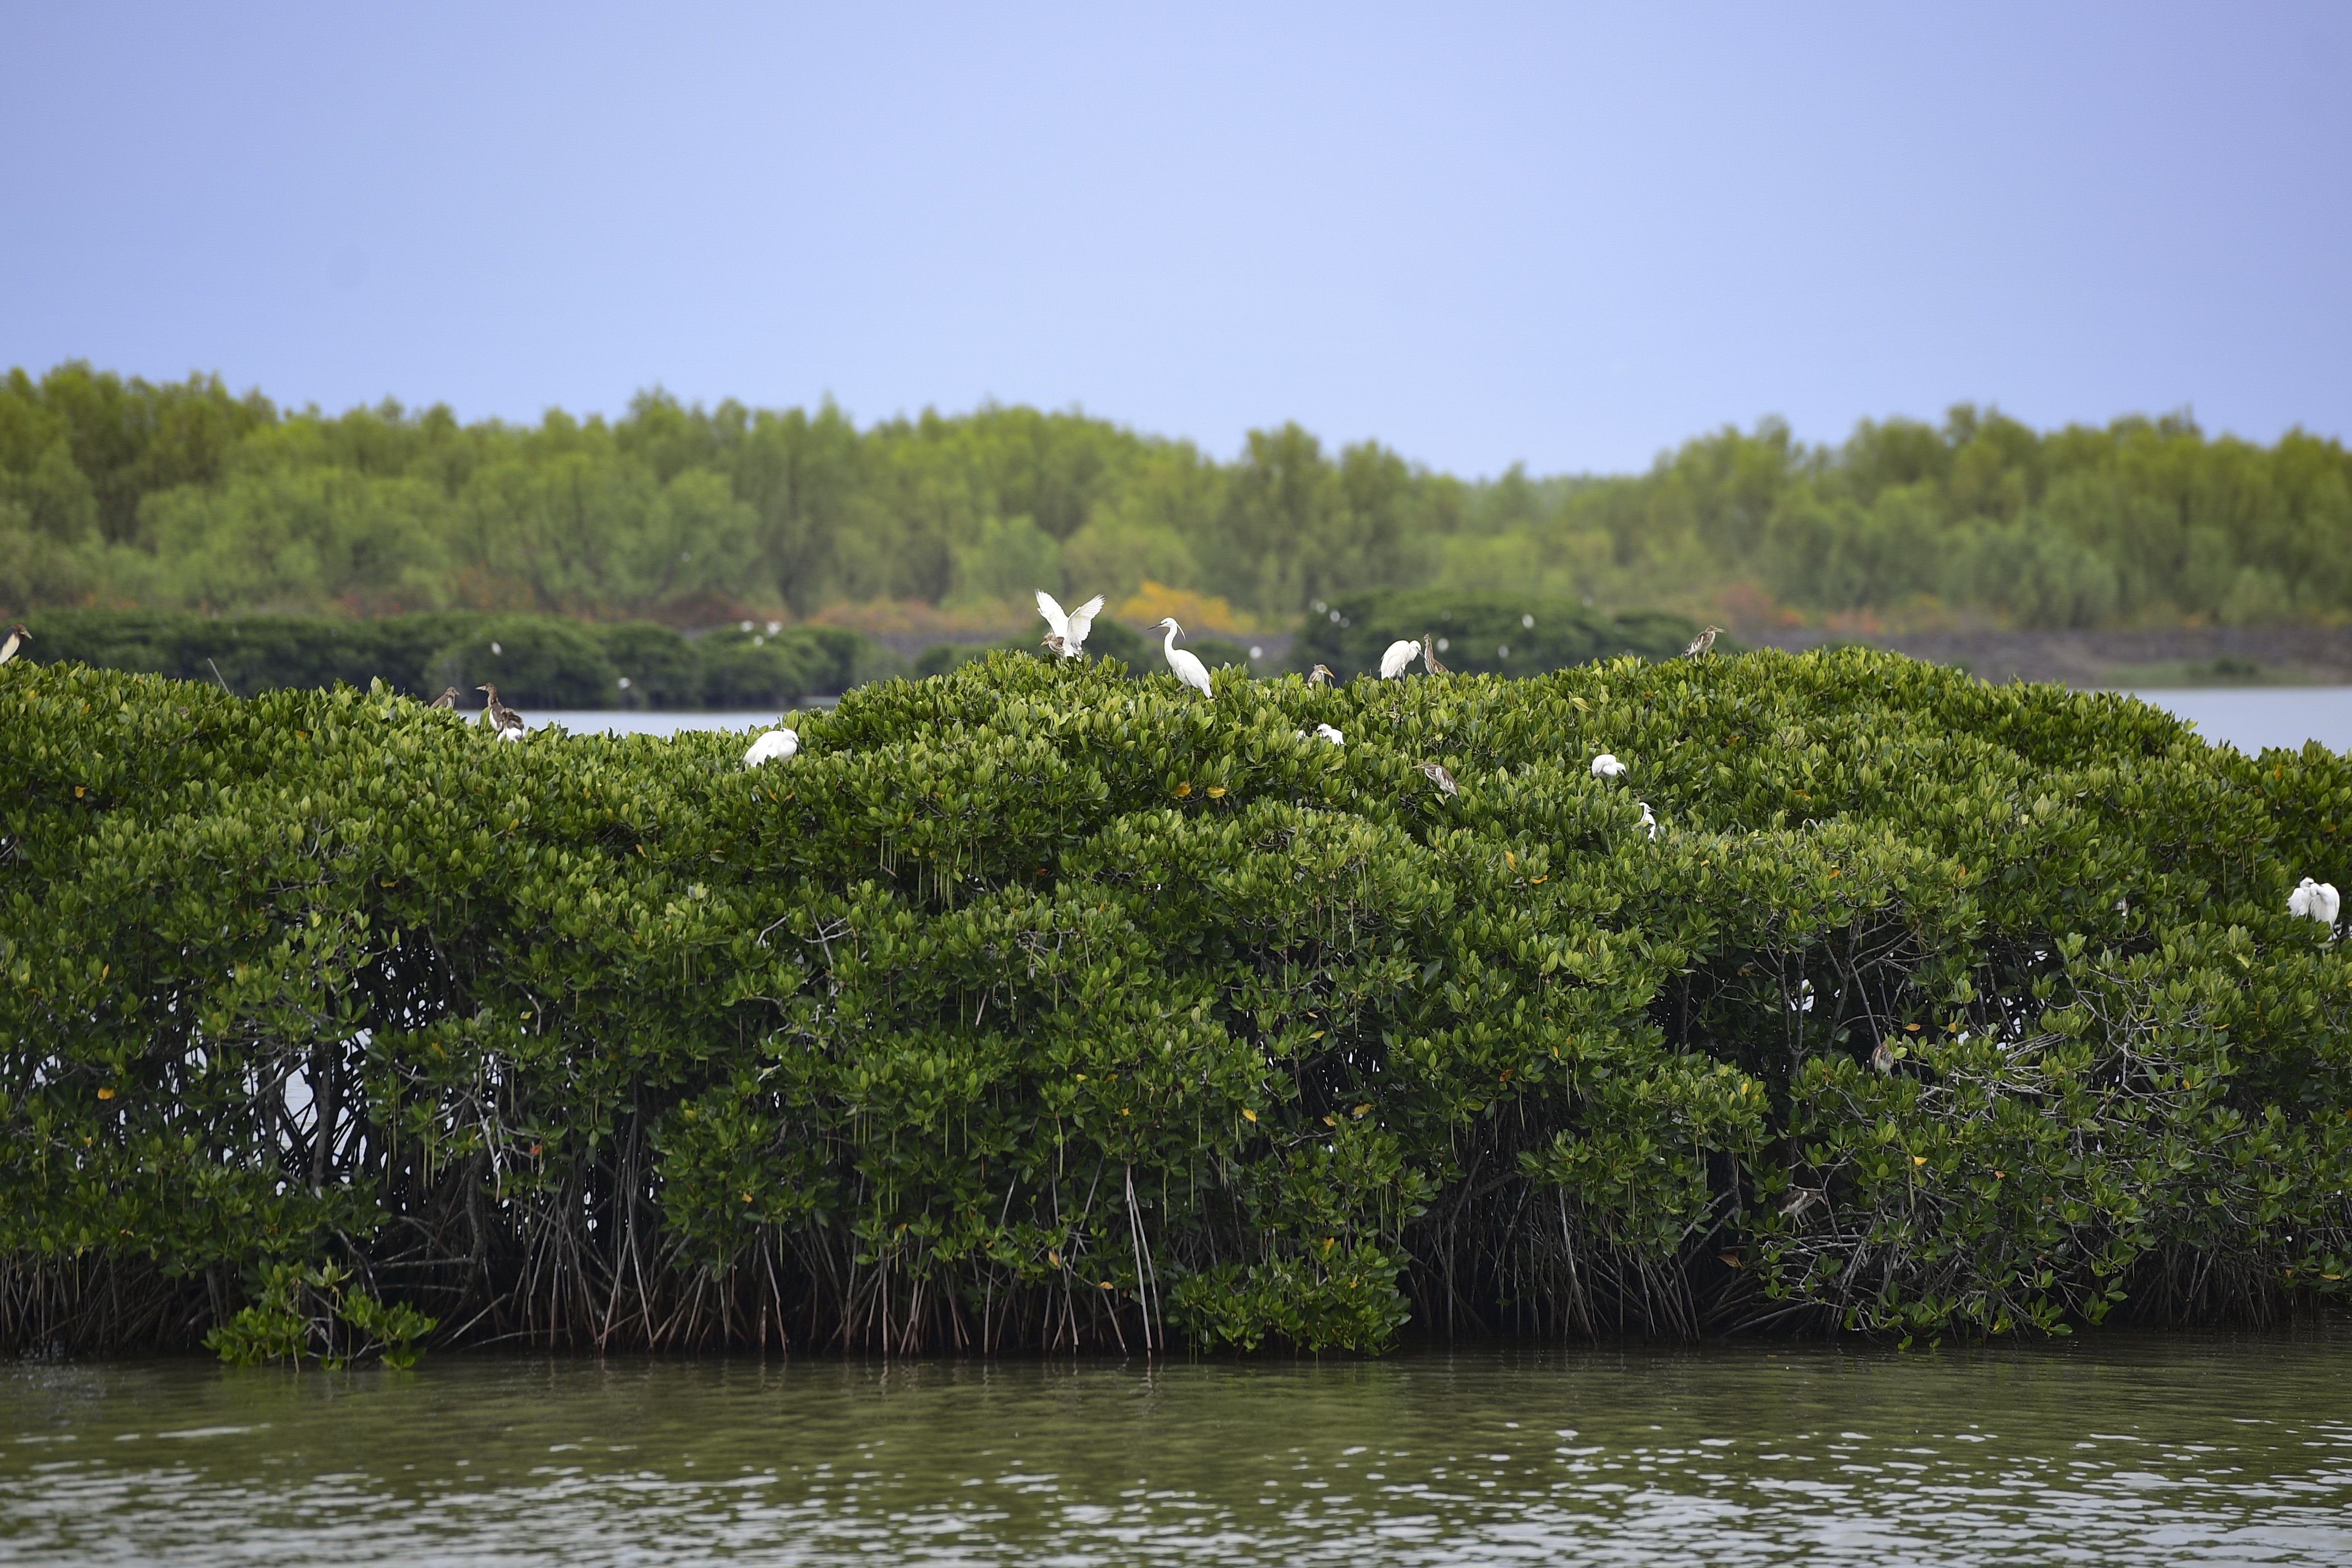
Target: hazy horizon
x=1507, y=235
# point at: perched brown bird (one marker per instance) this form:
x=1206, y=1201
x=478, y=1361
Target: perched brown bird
x=1429, y=655
x=1883, y=1058
x=1320, y=676
x=1055, y=643
x=1439, y=777
x=1802, y=1198
x=1701, y=644
x=447, y=699
x=500, y=718
x=18, y=638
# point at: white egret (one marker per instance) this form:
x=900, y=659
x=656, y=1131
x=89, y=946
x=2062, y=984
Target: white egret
x=500, y=718
x=1429, y=656
x=2315, y=901
x=18, y=638
x=1606, y=766
x=1649, y=823
x=1187, y=667
x=1071, y=627
x=1439, y=777
x=447, y=699
x=1398, y=655
x=1331, y=735
x=773, y=746
x=1702, y=643
x=1320, y=676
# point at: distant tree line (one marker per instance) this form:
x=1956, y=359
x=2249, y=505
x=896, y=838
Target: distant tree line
x=181, y=496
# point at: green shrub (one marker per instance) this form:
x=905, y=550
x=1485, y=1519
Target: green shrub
x=1036, y=1006
x=1500, y=633
x=536, y=660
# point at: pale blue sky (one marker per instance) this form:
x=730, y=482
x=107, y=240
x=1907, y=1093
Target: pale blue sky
x=1564, y=236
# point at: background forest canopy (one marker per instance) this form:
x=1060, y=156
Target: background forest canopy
x=117, y=492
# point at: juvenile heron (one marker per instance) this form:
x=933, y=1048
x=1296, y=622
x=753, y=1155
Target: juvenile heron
x=18, y=637
x=1441, y=777
x=1320, y=676
x=500, y=718
x=1429, y=656
x=449, y=700
x=1702, y=643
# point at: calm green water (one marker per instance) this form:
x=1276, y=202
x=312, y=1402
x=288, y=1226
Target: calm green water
x=2141, y=1451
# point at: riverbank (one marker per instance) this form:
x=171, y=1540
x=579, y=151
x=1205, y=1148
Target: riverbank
x=2167, y=658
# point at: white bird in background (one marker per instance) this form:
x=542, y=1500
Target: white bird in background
x=1187, y=667
x=1606, y=766
x=2315, y=901
x=1649, y=822
x=773, y=746
x=1071, y=627
x=1398, y=655
x=1331, y=735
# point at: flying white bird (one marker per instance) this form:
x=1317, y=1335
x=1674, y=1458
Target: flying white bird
x=2315, y=901
x=1331, y=735
x=1398, y=655
x=1649, y=822
x=1606, y=766
x=773, y=746
x=18, y=638
x=1187, y=667
x=1071, y=627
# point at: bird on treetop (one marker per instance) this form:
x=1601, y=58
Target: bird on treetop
x=1326, y=732
x=1052, y=640
x=1070, y=627
x=1702, y=643
x=448, y=698
x=1320, y=676
x=18, y=638
x=500, y=718
x=1883, y=1058
x=774, y=746
x=1429, y=656
x=2315, y=901
x=1606, y=766
x=1398, y=655
x=1441, y=777
x=1186, y=667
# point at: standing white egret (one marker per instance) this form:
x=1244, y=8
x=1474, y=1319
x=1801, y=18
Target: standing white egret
x=18, y=638
x=773, y=746
x=1186, y=667
x=1331, y=735
x=2315, y=901
x=1071, y=627
x=1606, y=766
x=1398, y=655
x=1649, y=823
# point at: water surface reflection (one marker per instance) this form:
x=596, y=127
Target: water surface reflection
x=2114, y=1451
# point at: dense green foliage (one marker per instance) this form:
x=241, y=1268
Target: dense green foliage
x=536, y=660
x=1034, y=1006
x=1481, y=634
x=183, y=497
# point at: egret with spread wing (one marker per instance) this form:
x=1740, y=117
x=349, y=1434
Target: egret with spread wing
x=1071, y=627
